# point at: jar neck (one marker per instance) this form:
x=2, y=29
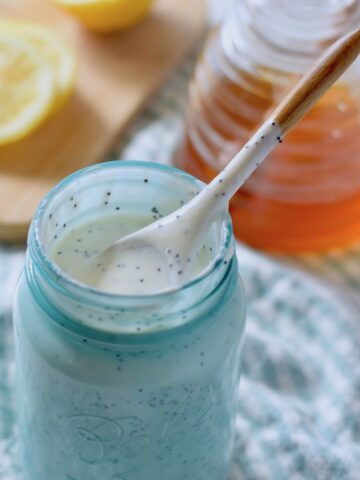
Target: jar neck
x=99, y=315
x=285, y=36
x=133, y=321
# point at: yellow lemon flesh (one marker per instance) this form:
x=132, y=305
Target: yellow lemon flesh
x=27, y=88
x=53, y=49
x=107, y=15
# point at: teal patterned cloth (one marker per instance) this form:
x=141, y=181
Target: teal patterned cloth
x=299, y=414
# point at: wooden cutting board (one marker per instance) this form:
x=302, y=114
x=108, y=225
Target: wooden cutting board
x=117, y=75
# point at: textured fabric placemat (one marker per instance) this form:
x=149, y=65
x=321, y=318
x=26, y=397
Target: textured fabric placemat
x=299, y=414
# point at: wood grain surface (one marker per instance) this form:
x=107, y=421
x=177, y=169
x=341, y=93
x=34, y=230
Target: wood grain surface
x=116, y=77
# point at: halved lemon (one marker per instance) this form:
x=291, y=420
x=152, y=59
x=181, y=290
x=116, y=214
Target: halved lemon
x=27, y=88
x=54, y=50
x=107, y=15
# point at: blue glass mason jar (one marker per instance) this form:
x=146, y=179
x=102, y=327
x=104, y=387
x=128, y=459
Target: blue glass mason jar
x=116, y=387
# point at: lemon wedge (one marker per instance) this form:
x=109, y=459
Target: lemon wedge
x=107, y=15
x=27, y=88
x=54, y=50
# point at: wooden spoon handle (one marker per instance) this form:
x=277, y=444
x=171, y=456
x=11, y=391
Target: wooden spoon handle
x=330, y=66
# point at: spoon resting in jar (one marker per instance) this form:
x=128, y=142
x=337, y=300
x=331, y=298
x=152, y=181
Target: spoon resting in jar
x=169, y=245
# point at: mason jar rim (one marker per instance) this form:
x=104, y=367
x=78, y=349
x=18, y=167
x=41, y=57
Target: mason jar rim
x=63, y=282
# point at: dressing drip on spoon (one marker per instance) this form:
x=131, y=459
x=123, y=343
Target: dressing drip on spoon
x=169, y=246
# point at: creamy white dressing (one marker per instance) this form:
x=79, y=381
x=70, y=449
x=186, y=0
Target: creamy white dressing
x=138, y=271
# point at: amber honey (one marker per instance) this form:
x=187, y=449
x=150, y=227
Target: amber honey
x=306, y=195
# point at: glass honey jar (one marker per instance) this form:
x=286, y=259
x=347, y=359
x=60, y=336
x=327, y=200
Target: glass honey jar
x=306, y=195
